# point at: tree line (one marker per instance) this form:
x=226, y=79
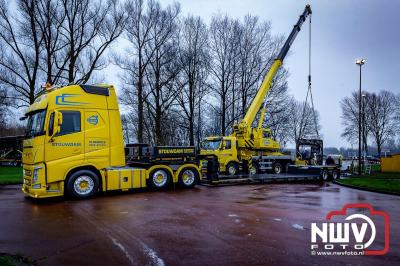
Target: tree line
x=182, y=79
x=379, y=116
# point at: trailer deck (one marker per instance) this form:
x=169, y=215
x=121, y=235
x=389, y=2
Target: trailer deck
x=260, y=178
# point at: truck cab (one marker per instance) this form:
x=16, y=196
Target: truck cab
x=70, y=129
x=225, y=149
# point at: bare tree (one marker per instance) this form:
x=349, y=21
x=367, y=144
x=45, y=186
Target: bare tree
x=350, y=118
x=125, y=127
x=301, y=121
x=53, y=40
x=3, y=107
x=49, y=19
x=89, y=28
x=193, y=53
x=224, y=44
x=163, y=66
x=257, y=51
x=241, y=55
x=380, y=117
x=20, y=43
x=134, y=62
x=278, y=115
x=397, y=104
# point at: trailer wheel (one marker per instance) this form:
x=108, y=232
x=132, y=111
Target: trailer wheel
x=335, y=174
x=188, y=177
x=277, y=168
x=324, y=175
x=83, y=184
x=159, y=178
x=232, y=168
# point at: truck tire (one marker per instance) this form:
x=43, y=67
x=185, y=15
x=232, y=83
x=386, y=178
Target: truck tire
x=335, y=174
x=188, y=177
x=232, y=168
x=325, y=175
x=83, y=184
x=159, y=178
x=277, y=168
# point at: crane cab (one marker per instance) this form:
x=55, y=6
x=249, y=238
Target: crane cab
x=260, y=139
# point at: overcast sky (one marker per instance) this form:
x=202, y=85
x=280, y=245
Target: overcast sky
x=343, y=30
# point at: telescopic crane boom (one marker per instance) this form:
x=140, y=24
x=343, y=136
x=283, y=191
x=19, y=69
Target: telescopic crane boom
x=244, y=126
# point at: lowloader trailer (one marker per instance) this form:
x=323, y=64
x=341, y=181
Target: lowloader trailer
x=74, y=145
x=293, y=173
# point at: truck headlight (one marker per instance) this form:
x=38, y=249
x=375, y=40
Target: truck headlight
x=37, y=186
x=36, y=174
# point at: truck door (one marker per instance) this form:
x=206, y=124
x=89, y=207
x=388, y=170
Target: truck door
x=97, y=134
x=226, y=153
x=66, y=149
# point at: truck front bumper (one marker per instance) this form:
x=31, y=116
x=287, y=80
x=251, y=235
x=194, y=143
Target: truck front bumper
x=35, y=183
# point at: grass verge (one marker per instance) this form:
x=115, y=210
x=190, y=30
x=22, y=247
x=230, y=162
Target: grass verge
x=381, y=182
x=14, y=260
x=10, y=175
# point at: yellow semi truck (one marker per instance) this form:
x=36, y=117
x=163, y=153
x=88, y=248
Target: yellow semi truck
x=74, y=145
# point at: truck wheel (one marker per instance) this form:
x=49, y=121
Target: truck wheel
x=277, y=168
x=335, y=174
x=324, y=175
x=83, y=184
x=188, y=177
x=159, y=178
x=232, y=168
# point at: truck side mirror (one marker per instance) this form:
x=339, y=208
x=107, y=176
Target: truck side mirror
x=57, y=122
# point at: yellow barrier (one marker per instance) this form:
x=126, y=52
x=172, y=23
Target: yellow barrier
x=391, y=164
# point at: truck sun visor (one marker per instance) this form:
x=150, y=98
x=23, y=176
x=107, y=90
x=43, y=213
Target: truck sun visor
x=95, y=90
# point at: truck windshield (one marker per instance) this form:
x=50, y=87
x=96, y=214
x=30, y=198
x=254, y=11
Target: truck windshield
x=35, y=123
x=211, y=144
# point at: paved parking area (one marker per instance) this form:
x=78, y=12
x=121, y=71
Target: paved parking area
x=240, y=225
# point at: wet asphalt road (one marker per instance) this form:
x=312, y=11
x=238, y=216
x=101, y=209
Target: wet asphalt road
x=236, y=225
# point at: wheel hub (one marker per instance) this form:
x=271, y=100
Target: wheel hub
x=277, y=169
x=160, y=178
x=231, y=170
x=83, y=185
x=188, y=177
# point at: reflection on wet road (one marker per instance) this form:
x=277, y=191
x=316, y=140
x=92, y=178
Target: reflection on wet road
x=250, y=224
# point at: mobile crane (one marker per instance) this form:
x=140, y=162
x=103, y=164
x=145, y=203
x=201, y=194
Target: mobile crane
x=248, y=148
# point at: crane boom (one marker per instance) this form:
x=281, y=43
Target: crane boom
x=266, y=84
